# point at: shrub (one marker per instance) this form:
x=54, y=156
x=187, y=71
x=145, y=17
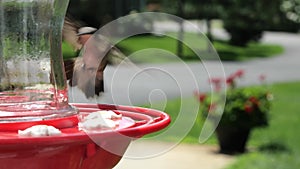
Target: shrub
x=245, y=107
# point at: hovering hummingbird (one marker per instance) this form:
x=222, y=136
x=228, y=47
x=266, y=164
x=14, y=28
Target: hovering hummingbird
x=86, y=70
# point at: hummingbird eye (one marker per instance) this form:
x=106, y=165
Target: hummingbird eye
x=89, y=70
x=82, y=66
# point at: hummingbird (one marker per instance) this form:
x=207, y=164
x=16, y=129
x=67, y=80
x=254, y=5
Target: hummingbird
x=95, y=52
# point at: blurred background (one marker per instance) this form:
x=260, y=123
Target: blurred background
x=259, y=36
x=242, y=21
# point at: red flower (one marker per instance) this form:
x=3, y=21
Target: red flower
x=216, y=82
x=262, y=78
x=201, y=96
x=254, y=100
x=230, y=80
x=239, y=73
x=212, y=107
x=248, y=108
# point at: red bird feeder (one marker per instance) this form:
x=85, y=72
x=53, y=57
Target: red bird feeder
x=33, y=92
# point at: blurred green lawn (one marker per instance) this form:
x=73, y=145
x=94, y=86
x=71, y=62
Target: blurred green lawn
x=225, y=51
x=68, y=51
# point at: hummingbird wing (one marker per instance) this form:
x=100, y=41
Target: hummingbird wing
x=69, y=33
x=69, y=69
x=89, y=80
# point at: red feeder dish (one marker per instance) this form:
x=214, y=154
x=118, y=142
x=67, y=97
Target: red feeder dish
x=76, y=149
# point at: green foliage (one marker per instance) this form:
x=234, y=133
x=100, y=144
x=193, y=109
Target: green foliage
x=97, y=13
x=204, y=9
x=14, y=49
x=277, y=18
x=291, y=8
x=244, y=20
x=32, y=19
x=246, y=107
x=245, y=13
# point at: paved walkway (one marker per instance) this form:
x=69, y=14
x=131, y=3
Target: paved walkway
x=183, y=156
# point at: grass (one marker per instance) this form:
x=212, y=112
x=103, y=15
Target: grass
x=156, y=44
x=276, y=146
x=68, y=51
x=228, y=52
x=158, y=49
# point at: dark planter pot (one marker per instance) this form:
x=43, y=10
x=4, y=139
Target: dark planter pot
x=232, y=140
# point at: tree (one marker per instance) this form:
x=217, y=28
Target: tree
x=97, y=13
x=180, y=13
x=192, y=9
x=292, y=9
x=244, y=19
x=203, y=9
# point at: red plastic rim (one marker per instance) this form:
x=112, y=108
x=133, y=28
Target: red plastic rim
x=146, y=121
x=59, y=123
x=160, y=119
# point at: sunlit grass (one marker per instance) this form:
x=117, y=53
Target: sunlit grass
x=198, y=42
x=228, y=52
x=68, y=51
x=159, y=49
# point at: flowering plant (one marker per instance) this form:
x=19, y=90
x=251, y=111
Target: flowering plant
x=245, y=107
